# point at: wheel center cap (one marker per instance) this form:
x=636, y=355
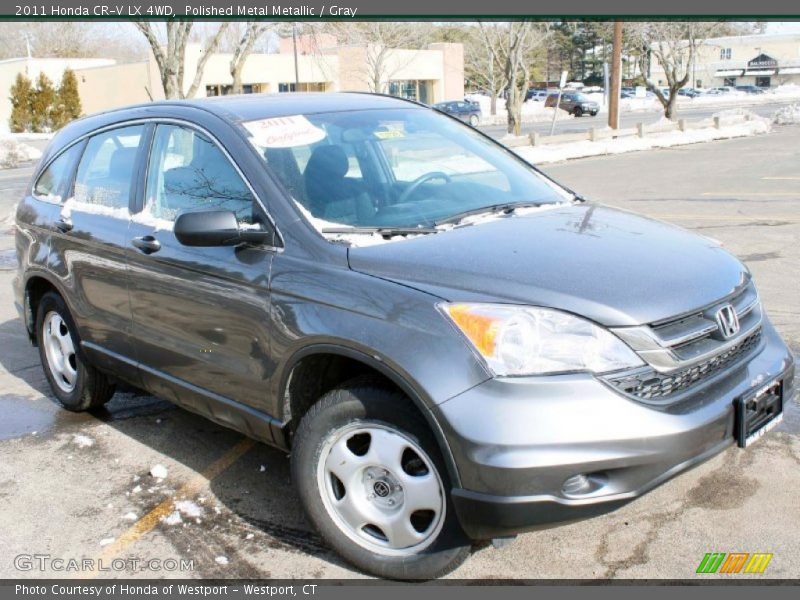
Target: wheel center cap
x=381, y=489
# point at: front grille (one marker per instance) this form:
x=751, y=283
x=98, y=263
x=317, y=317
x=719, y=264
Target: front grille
x=652, y=385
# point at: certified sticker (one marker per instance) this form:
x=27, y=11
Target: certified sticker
x=284, y=132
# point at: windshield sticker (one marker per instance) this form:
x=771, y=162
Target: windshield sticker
x=284, y=132
x=390, y=134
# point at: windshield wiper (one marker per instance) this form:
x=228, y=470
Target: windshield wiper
x=505, y=208
x=384, y=231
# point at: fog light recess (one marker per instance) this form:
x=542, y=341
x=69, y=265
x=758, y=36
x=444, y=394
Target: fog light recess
x=583, y=484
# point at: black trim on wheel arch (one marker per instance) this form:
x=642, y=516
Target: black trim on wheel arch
x=419, y=398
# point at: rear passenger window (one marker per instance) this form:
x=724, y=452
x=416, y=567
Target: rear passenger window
x=189, y=173
x=53, y=182
x=105, y=172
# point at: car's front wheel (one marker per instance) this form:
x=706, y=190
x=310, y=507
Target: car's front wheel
x=578, y=112
x=372, y=481
x=77, y=385
x=473, y=120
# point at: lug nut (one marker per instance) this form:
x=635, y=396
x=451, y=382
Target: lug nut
x=391, y=502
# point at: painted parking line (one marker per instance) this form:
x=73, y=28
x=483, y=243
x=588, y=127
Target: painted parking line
x=149, y=521
x=749, y=194
x=747, y=218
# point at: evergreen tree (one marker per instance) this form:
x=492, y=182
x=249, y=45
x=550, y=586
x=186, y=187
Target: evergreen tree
x=21, y=100
x=68, y=102
x=44, y=98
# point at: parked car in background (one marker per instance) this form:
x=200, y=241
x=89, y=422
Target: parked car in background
x=721, y=90
x=750, y=89
x=688, y=92
x=575, y=103
x=536, y=95
x=469, y=112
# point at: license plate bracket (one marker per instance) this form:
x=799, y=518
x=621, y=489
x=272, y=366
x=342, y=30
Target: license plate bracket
x=758, y=412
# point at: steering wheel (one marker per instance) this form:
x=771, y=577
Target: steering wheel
x=414, y=186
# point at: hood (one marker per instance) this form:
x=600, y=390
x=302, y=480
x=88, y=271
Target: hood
x=610, y=266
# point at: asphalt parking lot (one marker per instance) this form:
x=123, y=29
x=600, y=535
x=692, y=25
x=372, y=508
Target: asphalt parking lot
x=76, y=486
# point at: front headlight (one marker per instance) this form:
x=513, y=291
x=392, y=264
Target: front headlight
x=523, y=340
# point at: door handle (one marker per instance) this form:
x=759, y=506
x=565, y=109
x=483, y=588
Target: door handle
x=64, y=225
x=147, y=244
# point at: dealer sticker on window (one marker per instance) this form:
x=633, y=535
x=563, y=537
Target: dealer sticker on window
x=284, y=132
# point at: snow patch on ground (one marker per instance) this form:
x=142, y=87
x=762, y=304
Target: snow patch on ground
x=189, y=509
x=82, y=441
x=106, y=541
x=174, y=518
x=159, y=471
x=560, y=152
x=787, y=115
x=131, y=516
x=13, y=152
x=221, y=560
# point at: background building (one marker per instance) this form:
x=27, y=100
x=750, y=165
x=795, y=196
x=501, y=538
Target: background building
x=432, y=74
x=765, y=60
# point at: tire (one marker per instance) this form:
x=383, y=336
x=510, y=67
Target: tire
x=578, y=111
x=353, y=508
x=473, y=120
x=75, y=383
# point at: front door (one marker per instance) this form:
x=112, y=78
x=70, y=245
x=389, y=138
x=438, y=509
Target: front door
x=200, y=315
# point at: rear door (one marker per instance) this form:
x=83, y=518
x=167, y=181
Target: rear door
x=200, y=315
x=89, y=242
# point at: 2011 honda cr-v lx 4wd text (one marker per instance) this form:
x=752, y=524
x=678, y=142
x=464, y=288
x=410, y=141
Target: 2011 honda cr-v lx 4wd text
x=453, y=346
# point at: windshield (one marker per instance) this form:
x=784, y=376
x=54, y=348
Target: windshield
x=398, y=168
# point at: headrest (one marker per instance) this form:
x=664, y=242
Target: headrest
x=327, y=162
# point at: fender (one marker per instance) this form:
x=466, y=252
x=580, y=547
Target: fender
x=376, y=362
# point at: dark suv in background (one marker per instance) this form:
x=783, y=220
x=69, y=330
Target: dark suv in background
x=452, y=346
x=574, y=103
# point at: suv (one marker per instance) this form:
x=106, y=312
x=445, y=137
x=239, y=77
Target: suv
x=575, y=103
x=453, y=346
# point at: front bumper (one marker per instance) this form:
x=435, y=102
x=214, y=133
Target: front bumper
x=516, y=441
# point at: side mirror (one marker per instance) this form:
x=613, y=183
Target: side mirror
x=218, y=228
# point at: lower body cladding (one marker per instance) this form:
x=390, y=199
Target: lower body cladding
x=541, y=450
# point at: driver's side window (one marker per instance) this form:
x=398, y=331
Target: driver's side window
x=189, y=173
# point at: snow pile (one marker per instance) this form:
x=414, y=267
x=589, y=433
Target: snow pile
x=532, y=111
x=14, y=152
x=559, y=152
x=221, y=560
x=788, y=115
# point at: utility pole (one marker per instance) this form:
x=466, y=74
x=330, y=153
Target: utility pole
x=616, y=77
x=296, y=69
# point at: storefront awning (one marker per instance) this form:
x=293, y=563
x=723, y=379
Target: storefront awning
x=729, y=73
x=790, y=71
x=760, y=73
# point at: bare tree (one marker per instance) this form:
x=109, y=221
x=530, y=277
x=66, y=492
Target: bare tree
x=380, y=39
x=252, y=32
x=171, y=58
x=674, y=46
x=482, y=67
x=513, y=46
x=69, y=39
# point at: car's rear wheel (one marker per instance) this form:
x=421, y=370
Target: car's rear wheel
x=76, y=384
x=473, y=120
x=578, y=112
x=372, y=481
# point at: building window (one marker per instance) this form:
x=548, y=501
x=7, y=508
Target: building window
x=729, y=81
x=698, y=83
x=724, y=53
